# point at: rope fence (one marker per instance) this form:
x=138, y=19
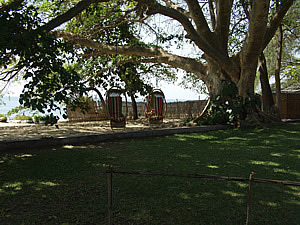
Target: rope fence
x=249, y=180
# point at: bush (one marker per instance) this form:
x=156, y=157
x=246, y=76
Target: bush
x=229, y=107
x=23, y=117
x=40, y=118
x=49, y=119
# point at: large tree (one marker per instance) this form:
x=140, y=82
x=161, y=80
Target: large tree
x=210, y=27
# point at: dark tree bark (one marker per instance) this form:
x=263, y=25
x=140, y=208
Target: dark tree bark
x=267, y=97
x=134, y=107
x=99, y=93
x=277, y=69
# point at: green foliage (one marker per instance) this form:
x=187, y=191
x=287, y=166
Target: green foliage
x=2, y=115
x=49, y=91
x=291, y=77
x=48, y=119
x=39, y=118
x=192, y=82
x=23, y=117
x=229, y=107
x=128, y=73
x=17, y=109
x=1, y=100
x=51, y=119
x=41, y=58
x=290, y=51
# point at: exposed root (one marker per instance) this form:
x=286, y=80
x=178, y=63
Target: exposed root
x=203, y=114
x=255, y=117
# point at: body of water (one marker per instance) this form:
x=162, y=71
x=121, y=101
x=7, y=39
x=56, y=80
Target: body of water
x=8, y=103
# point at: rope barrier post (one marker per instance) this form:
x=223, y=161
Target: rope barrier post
x=110, y=195
x=251, y=179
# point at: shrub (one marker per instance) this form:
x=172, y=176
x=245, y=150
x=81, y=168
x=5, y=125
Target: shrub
x=23, y=117
x=49, y=119
x=229, y=107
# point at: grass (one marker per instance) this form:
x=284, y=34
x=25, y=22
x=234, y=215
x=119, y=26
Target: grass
x=68, y=185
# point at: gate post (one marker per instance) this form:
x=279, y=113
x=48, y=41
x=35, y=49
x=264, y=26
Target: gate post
x=251, y=178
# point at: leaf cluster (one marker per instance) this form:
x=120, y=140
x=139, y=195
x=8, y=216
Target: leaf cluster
x=49, y=119
x=229, y=107
x=41, y=57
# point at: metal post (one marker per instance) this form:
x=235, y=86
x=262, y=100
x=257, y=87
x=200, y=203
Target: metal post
x=110, y=195
x=251, y=178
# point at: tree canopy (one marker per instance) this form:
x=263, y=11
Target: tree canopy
x=215, y=40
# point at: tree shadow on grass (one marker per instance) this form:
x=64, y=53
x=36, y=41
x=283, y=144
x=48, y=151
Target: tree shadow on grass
x=69, y=185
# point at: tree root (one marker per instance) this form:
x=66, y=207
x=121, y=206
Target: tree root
x=256, y=117
x=203, y=114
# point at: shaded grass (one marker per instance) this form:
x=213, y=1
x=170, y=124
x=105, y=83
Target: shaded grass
x=68, y=185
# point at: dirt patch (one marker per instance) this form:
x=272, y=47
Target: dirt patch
x=13, y=131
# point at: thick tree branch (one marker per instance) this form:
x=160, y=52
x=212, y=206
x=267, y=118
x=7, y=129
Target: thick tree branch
x=223, y=22
x=188, y=64
x=211, y=50
x=253, y=45
x=79, y=7
x=155, y=8
x=200, y=21
x=276, y=20
x=257, y=24
x=101, y=72
x=172, y=5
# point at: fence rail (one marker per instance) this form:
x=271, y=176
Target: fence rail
x=212, y=177
x=249, y=180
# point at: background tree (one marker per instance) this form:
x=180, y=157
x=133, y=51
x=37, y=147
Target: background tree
x=280, y=53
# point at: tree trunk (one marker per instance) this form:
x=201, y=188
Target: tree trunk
x=267, y=97
x=99, y=93
x=101, y=98
x=277, y=69
x=214, y=79
x=247, y=77
x=134, y=107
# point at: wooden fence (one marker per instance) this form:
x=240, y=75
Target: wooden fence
x=290, y=106
x=174, y=110
x=290, y=109
x=249, y=180
x=97, y=112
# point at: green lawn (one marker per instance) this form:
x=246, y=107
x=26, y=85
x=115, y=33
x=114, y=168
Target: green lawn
x=68, y=185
